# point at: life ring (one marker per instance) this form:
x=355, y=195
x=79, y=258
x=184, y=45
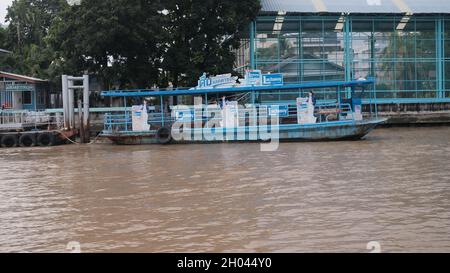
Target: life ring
x=46, y=140
x=9, y=141
x=164, y=135
x=27, y=140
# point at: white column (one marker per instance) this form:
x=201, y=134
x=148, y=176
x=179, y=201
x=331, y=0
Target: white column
x=86, y=100
x=71, y=106
x=65, y=100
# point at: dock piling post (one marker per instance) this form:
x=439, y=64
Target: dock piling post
x=65, y=100
x=68, y=91
x=71, y=101
x=86, y=124
x=80, y=123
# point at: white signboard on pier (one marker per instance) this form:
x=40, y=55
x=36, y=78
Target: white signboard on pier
x=139, y=118
x=305, y=111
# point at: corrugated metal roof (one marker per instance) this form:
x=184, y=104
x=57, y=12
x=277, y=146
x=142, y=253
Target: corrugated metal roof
x=357, y=6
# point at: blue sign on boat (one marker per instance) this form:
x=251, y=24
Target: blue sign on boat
x=184, y=115
x=253, y=77
x=272, y=79
x=218, y=80
x=279, y=110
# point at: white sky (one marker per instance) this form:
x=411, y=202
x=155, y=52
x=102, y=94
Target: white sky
x=3, y=5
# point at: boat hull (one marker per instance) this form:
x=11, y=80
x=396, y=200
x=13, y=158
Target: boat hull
x=332, y=131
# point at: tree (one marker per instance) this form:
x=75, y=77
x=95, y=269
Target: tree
x=30, y=20
x=127, y=44
x=5, y=59
x=3, y=34
x=203, y=34
x=143, y=43
x=118, y=40
x=29, y=24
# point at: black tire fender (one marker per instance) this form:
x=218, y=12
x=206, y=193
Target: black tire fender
x=46, y=139
x=9, y=141
x=164, y=135
x=27, y=140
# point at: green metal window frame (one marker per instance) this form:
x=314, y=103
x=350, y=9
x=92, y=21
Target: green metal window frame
x=418, y=76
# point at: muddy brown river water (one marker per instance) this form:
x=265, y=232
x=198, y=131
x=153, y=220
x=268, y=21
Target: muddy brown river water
x=393, y=188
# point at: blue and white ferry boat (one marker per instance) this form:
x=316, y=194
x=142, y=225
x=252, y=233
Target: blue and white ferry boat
x=260, y=107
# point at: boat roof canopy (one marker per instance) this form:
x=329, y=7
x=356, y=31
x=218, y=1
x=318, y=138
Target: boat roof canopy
x=184, y=92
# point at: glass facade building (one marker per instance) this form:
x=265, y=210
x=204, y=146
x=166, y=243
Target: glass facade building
x=408, y=53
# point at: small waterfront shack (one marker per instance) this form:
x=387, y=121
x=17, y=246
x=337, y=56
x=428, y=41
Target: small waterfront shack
x=19, y=92
x=24, y=120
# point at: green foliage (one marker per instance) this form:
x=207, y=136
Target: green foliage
x=203, y=35
x=29, y=24
x=3, y=35
x=3, y=57
x=128, y=44
x=120, y=41
x=30, y=20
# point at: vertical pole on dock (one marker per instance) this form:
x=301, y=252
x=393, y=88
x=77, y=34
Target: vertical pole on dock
x=376, y=103
x=440, y=58
x=162, y=111
x=71, y=101
x=348, y=55
x=126, y=113
x=338, y=91
x=81, y=123
x=86, y=108
x=65, y=99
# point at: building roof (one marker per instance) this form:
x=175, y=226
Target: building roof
x=20, y=77
x=357, y=6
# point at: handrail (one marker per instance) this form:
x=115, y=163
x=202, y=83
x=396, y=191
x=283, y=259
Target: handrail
x=21, y=120
x=123, y=122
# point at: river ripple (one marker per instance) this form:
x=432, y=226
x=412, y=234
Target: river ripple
x=393, y=187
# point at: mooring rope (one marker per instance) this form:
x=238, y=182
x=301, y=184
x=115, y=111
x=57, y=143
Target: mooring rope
x=95, y=139
x=77, y=143
x=73, y=142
